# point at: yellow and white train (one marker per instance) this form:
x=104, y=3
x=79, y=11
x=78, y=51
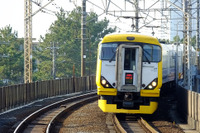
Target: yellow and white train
x=129, y=72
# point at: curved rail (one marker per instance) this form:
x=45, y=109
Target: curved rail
x=149, y=127
x=20, y=128
x=68, y=109
x=119, y=126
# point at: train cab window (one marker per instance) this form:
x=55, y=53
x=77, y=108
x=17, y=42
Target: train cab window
x=107, y=51
x=151, y=53
x=129, y=59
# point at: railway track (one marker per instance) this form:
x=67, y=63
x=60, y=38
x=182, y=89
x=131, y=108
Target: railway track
x=90, y=118
x=132, y=124
x=44, y=120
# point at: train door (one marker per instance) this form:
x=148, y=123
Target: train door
x=128, y=68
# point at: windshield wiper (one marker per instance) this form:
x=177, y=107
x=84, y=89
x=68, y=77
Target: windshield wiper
x=146, y=56
x=111, y=59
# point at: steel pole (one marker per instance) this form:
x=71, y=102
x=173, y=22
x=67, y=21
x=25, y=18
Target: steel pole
x=197, y=40
x=27, y=41
x=197, y=49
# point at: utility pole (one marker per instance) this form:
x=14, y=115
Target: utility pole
x=197, y=49
x=27, y=41
x=136, y=16
x=176, y=61
x=186, y=49
x=83, y=37
x=53, y=48
x=197, y=40
x=54, y=60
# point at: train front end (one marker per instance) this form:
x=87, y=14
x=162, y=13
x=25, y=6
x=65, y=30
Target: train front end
x=129, y=73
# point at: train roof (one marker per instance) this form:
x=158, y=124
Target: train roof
x=133, y=37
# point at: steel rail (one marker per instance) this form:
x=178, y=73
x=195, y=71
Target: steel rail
x=120, y=129
x=68, y=109
x=149, y=127
x=37, y=113
x=117, y=125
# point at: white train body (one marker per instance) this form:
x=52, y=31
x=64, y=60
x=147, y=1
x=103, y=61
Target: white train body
x=172, y=55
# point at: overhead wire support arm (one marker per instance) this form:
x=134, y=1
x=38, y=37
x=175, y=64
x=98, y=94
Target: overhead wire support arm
x=107, y=6
x=94, y=4
x=175, y=5
x=39, y=9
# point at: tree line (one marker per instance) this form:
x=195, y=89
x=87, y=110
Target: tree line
x=62, y=43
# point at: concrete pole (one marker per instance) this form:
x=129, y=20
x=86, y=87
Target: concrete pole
x=136, y=16
x=176, y=63
x=83, y=37
x=53, y=60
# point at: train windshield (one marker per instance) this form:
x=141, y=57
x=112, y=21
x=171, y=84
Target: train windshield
x=107, y=51
x=151, y=53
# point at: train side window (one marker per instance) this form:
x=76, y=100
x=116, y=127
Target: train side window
x=107, y=51
x=151, y=53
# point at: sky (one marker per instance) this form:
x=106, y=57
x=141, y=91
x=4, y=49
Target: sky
x=12, y=13
x=9, y=16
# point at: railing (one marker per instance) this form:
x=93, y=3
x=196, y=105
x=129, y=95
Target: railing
x=17, y=95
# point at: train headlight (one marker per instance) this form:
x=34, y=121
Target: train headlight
x=152, y=85
x=105, y=83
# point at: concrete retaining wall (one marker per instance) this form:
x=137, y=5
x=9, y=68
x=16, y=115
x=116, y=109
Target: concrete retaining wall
x=189, y=107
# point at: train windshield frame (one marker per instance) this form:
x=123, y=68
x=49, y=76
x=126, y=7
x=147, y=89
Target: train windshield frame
x=151, y=52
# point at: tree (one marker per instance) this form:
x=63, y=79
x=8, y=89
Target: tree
x=176, y=39
x=11, y=55
x=193, y=41
x=65, y=33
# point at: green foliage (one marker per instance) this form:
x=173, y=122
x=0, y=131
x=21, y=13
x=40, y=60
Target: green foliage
x=65, y=33
x=11, y=57
x=193, y=41
x=163, y=41
x=176, y=39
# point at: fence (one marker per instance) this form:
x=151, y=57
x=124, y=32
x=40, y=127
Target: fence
x=189, y=107
x=17, y=95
